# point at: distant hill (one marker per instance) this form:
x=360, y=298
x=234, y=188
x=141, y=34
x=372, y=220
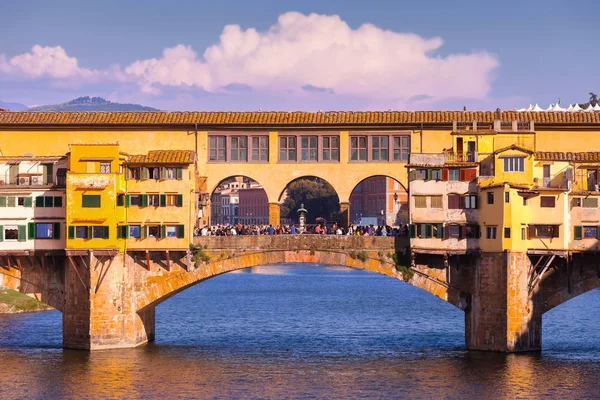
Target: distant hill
x=12, y=106
x=91, y=104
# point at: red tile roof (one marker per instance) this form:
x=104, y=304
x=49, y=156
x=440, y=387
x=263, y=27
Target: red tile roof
x=289, y=118
x=589, y=156
x=163, y=157
x=514, y=147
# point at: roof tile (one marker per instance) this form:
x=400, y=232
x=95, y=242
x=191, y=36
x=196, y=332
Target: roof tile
x=163, y=157
x=588, y=156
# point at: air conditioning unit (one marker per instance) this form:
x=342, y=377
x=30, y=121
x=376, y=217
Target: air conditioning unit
x=37, y=180
x=24, y=180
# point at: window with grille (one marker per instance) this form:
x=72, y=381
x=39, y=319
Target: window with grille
x=436, y=202
x=239, y=148
x=216, y=148
x=331, y=148
x=401, y=147
x=105, y=168
x=287, y=148
x=380, y=148
x=308, y=148
x=490, y=232
x=470, y=201
x=358, y=148
x=260, y=148
x=420, y=201
x=514, y=164
x=547, y=201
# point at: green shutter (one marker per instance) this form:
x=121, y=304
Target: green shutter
x=71, y=232
x=127, y=200
x=28, y=202
x=126, y=231
x=180, y=231
x=58, y=201
x=412, y=175
x=143, y=232
x=56, y=230
x=120, y=200
x=39, y=201
x=578, y=231
x=179, y=200
x=22, y=233
x=163, y=231
x=48, y=201
x=163, y=200
x=31, y=230
x=413, y=230
x=12, y=201
x=144, y=200
x=428, y=230
x=429, y=174
x=439, y=232
x=180, y=173
x=2, y=201
x=1, y=233
x=105, y=232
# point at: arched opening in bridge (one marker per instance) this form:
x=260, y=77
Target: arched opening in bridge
x=572, y=327
x=316, y=195
x=239, y=200
x=379, y=200
x=300, y=310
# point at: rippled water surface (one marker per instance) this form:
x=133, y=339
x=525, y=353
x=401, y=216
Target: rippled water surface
x=304, y=331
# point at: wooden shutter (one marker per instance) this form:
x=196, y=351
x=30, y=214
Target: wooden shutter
x=105, y=232
x=127, y=200
x=428, y=230
x=144, y=200
x=453, y=201
x=22, y=233
x=179, y=200
x=531, y=232
x=470, y=174
x=179, y=173
x=445, y=174
x=28, y=202
x=163, y=200
x=56, y=230
x=413, y=230
x=71, y=232
x=1, y=233
x=447, y=231
x=120, y=200
x=143, y=232
x=462, y=174
x=39, y=201
x=58, y=201
x=163, y=231
x=12, y=202
x=31, y=230
x=412, y=175
x=180, y=231
x=3, y=201
x=127, y=173
x=429, y=174
x=163, y=173
x=578, y=232
x=555, y=231
x=48, y=201
x=598, y=232
x=145, y=173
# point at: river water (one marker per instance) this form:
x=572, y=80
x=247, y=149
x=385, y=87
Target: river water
x=304, y=331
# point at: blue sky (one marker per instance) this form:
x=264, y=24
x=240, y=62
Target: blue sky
x=306, y=55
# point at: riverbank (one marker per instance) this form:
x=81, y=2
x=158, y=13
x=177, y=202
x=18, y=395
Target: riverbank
x=12, y=302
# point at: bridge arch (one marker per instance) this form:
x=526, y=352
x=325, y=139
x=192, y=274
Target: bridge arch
x=333, y=205
x=381, y=197
x=33, y=281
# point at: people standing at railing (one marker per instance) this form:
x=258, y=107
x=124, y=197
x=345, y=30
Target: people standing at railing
x=319, y=229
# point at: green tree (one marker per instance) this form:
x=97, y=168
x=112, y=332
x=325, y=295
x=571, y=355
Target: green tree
x=318, y=197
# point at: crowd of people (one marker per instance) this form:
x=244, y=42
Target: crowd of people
x=319, y=229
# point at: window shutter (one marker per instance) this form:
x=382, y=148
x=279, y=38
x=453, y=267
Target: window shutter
x=163, y=231
x=180, y=231
x=470, y=174
x=463, y=232
x=144, y=200
x=48, y=201
x=56, y=230
x=143, y=232
x=145, y=173
x=105, y=232
x=180, y=173
x=31, y=230
x=578, y=232
x=555, y=231
x=3, y=201
x=119, y=232
x=412, y=175
x=120, y=200
x=463, y=174
x=598, y=232
x=57, y=201
x=71, y=232
x=125, y=231
x=447, y=231
x=12, y=201
x=531, y=232
x=179, y=200
x=429, y=174
x=428, y=230
x=39, y=201
x=28, y=202
x=89, y=231
x=445, y=174
x=163, y=173
x=163, y=200
x=413, y=230
x=22, y=233
x=475, y=201
x=1, y=233
x=127, y=198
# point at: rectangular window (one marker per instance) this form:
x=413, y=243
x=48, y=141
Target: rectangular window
x=44, y=231
x=358, y=148
x=81, y=232
x=170, y=173
x=590, y=232
x=380, y=148
x=153, y=200
x=490, y=198
x=134, y=173
x=171, y=230
x=11, y=232
x=420, y=201
x=514, y=164
x=216, y=148
x=135, y=231
x=472, y=231
x=308, y=148
x=260, y=148
x=436, y=174
x=287, y=148
x=546, y=231
x=154, y=231
x=331, y=148
x=401, y=148
x=547, y=201
x=454, y=231
x=48, y=171
x=454, y=201
x=421, y=174
x=90, y=201
x=239, y=148
x=134, y=200
x=153, y=173
x=470, y=201
x=98, y=232
x=436, y=202
x=490, y=232
x=589, y=202
x=507, y=233
x=507, y=197
x=454, y=174
x=171, y=200
x=105, y=168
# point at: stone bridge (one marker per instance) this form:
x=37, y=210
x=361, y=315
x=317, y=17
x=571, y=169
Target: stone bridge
x=108, y=299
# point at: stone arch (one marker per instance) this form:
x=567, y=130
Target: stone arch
x=244, y=219
x=162, y=290
x=34, y=283
x=395, y=208
x=556, y=298
x=282, y=191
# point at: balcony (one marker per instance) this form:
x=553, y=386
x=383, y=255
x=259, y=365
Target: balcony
x=459, y=157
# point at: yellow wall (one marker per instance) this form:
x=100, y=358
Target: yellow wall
x=525, y=177
x=491, y=215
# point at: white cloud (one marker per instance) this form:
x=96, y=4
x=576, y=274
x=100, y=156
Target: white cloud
x=319, y=51
x=46, y=62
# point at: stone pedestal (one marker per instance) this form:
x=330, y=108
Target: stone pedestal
x=503, y=315
x=274, y=214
